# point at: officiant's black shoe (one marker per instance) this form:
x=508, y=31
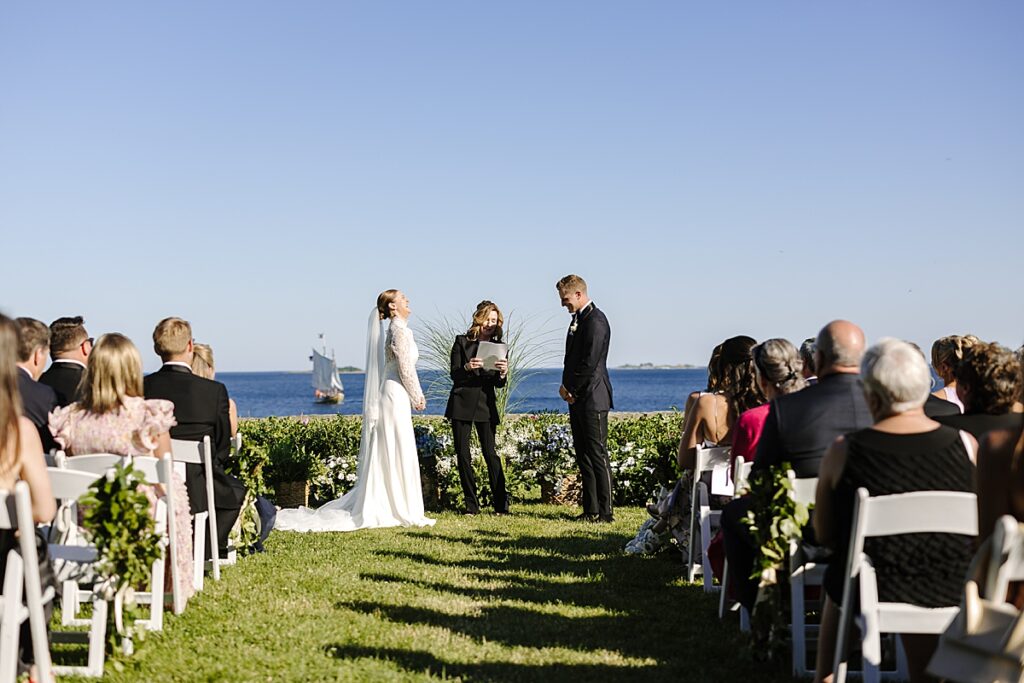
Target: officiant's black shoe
x=585, y=517
x=605, y=519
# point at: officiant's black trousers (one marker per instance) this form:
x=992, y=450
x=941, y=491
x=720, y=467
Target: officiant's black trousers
x=462, y=431
x=590, y=439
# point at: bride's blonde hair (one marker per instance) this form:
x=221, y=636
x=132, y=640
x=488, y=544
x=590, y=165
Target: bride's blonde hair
x=386, y=298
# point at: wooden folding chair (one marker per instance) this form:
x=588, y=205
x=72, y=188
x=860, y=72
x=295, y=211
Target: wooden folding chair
x=200, y=453
x=71, y=560
x=708, y=459
x=951, y=512
x=22, y=583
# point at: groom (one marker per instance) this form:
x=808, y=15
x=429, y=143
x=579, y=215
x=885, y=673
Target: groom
x=588, y=391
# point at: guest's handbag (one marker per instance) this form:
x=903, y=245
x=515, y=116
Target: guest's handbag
x=985, y=642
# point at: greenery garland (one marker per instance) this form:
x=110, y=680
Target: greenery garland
x=117, y=521
x=775, y=519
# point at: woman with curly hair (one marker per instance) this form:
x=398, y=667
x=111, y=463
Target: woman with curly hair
x=988, y=383
x=947, y=352
x=1001, y=473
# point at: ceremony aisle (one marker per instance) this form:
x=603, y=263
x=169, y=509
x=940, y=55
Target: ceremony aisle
x=530, y=597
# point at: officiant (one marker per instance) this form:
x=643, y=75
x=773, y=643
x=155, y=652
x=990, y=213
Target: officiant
x=472, y=402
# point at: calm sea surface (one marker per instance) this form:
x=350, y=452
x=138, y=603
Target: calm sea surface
x=261, y=394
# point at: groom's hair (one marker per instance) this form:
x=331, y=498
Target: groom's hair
x=571, y=283
x=171, y=337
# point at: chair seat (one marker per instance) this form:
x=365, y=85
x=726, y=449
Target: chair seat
x=79, y=554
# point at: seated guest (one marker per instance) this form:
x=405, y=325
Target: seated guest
x=21, y=458
x=708, y=422
x=202, y=365
x=807, y=356
x=800, y=426
x=936, y=407
x=904, y=451
x=70, y=345
x=947, y=352
x=37, y=400
x=201, y=409
x=112, y=417
x=988, y=384
x=778, y=368
x=1000, y=478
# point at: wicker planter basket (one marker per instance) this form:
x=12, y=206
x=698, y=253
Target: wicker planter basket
x=291, y=494
x=569, y=492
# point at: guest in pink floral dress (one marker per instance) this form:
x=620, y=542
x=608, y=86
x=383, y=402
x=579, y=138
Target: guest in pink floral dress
x=112, y=417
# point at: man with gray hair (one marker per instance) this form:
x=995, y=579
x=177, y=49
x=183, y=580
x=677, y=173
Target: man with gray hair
x=799, y=429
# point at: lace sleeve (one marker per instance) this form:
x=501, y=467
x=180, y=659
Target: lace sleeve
x=404, y=349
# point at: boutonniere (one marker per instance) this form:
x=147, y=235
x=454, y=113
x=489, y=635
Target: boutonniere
x=572, y=328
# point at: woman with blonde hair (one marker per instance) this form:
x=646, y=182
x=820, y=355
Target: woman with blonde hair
x=472, y=403
x=113, y=417
x=21, y=458
x=202, y=366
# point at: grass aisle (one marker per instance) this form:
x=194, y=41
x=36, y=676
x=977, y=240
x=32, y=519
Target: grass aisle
x=529, y=597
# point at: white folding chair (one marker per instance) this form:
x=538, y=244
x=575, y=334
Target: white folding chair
x=98, y=464
x=803, y=572
x=708, y=459
x=951, y=512
x=740, y=475
x=1006, y=562
x=236, y=447
x=22, y=583
x=200, y=453
x=70, y=560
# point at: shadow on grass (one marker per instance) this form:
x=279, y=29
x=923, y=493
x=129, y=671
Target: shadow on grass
x=425, y=662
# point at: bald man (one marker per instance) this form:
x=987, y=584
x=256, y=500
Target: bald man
x=799, y=429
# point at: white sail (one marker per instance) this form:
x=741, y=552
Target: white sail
x=325, y=375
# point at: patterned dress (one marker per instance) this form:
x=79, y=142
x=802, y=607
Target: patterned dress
x=133, y=429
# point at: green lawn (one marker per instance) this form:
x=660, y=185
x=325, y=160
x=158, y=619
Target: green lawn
x=528, y=597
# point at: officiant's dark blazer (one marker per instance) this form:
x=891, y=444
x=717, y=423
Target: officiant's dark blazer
x=201, y=409
x=585, y=372
x=472, y=396
x=63, y=378
x=37, y=400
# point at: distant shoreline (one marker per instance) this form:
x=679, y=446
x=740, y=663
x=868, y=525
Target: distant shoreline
x=350, y=370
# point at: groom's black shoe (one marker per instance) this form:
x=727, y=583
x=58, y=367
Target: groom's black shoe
x=605, y=519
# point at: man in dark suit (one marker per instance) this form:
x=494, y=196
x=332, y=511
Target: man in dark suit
x=201, y=409
x=799, y=429
x=70, y=346
x=587, y=389
x=37, y=400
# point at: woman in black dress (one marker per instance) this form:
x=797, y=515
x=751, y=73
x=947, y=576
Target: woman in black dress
x=903, y=451
x=472, y=402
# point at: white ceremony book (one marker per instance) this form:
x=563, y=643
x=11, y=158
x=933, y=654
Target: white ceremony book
x=491, y=353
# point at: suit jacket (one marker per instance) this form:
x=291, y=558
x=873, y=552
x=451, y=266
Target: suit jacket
x=936, y=407
x=37, y=400
x=585, y=371
x=472, y=396
x=63, y=378
x=201, y=409
x=979, y=424
x=801, y=426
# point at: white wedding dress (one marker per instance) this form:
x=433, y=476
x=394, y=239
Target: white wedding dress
x=387, y=491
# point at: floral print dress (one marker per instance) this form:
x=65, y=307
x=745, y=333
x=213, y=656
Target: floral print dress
x=132, y=429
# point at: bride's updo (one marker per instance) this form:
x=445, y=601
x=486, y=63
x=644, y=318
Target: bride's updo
x=386, y=298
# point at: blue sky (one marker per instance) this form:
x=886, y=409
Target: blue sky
x=264, y=169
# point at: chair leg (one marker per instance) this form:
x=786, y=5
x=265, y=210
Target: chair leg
x=198, y=549
x=97, y=637
x=725, y=589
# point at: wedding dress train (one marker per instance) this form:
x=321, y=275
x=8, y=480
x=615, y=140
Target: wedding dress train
x=387, y=490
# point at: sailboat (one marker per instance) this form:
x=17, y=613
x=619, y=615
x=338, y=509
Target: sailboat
x=327, y=387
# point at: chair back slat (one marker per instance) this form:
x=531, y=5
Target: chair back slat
x=98, y=463
x=69, y=484
x=741, y=472
x=950, y=512
x=187, y=451
x=711, y=458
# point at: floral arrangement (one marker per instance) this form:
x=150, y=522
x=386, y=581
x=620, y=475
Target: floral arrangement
x=117, y=521
x=535, y=448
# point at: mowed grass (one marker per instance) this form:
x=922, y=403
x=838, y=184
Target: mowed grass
x=529, y=597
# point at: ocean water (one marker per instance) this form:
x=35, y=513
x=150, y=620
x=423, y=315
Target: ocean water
x=262, y=394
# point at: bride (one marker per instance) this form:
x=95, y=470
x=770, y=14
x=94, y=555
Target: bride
x=387, y=490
